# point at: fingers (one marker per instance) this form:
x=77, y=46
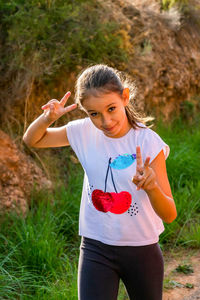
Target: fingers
x=139, y=166
x=143, y=171
x=146, y=163
x=135, y=180
x=70, y=107
x=149, y=183
x=139, y=182
x=139, y=157
x=65, y=98
x=50, y=104
x=145, y=182
x=51, y=107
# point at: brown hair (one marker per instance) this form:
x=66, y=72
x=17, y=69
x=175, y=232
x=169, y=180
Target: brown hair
x=98, y=79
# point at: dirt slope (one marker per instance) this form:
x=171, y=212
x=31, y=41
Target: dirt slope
x=165, y=52
x=18, y=174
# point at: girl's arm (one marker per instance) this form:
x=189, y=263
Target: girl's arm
x=154, y=180
x=161, y=196
x=38, y=134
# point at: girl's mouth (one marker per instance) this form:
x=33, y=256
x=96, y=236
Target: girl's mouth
x=109, y=129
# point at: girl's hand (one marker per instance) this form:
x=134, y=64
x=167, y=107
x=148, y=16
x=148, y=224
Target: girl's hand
x=145, y=177
x=54, y=109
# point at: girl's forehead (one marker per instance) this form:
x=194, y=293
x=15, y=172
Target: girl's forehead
x=102, y=101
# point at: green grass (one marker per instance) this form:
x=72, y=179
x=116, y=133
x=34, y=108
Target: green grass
x=39, y=253
x=184, y=177
x=185, y=269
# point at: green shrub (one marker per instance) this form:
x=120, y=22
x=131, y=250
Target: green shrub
x=167, y=4
x=46, y=36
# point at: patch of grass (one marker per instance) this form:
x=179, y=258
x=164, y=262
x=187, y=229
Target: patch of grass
x=186, y=269
x=191, y=237
x=189, y=285
x=39, y=253
x=184, y=141
x=184, y=178
x=172, y=284
x=122, y=295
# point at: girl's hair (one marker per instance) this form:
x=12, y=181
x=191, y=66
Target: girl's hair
x=100, y=79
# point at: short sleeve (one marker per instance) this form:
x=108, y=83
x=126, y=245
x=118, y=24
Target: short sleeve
x=77, y=132
x=152, y=145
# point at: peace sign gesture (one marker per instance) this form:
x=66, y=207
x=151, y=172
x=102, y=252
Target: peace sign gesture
x=54, y=109
x=145, y=176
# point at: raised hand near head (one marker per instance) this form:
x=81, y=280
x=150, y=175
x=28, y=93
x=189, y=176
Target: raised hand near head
x=54, y=109
x=145, y=177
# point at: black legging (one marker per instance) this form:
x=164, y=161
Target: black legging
x=101, y=266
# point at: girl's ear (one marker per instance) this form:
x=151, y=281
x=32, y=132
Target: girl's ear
x=125, y=96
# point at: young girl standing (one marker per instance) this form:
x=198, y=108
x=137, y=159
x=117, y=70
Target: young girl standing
x=126, y=193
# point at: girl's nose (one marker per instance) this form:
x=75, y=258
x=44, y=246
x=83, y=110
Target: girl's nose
x=106, y=121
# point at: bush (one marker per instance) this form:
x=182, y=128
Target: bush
x=167, y=4
x=44, y=36
x=44, y=41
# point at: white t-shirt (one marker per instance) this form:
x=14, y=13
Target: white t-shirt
x=109, y=164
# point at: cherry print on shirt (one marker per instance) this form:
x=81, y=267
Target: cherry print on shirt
x=102, y=201
x=116, y=203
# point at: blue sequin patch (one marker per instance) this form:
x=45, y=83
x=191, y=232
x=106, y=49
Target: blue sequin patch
x=123, y=161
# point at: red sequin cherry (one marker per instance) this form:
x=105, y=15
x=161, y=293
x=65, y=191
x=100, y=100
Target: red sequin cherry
x=121, y=203
x=117, y=203
x=102, y=201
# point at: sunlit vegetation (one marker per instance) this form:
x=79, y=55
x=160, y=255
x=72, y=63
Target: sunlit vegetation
x=39, y=253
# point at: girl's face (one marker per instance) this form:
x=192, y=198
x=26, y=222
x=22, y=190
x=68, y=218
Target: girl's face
x=107, y=113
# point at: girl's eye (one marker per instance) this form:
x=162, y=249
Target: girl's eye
x=93, y=114
x=112, y=108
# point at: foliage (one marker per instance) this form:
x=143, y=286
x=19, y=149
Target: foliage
x=46, y=35
x=167, y=4
x=186, y=269
x=172, y=284
x=184, y=141
x=39, y=253
x=44, y=40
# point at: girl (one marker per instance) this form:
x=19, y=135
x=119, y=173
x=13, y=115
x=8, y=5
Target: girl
x=126, y=193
